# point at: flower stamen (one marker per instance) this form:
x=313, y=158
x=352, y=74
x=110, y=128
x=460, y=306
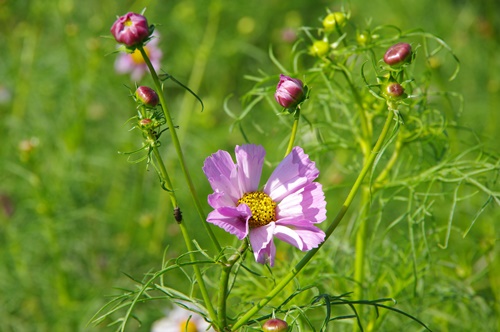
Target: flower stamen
x=262, y=206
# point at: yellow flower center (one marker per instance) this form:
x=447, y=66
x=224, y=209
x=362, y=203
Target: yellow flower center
x=188, y=327
x=137, y=56
x=262, y=206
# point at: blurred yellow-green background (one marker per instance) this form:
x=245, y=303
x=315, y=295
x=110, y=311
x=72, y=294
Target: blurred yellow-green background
x=75, y=215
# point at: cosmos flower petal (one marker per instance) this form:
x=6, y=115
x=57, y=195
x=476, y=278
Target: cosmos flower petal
x=293, y=173
x=303, y=234
x=220, y=199
x=307, y=203
x=261, y=239
x=249, y=160
x=222, y=175
x=233, y=220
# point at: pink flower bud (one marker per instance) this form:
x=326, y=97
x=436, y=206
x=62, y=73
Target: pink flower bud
x=275, y=325
x=289, y=92
x=147, y=96
x=398, y=54
x=130, y=29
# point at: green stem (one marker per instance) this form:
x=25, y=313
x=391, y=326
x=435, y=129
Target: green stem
x=185, y=234
x=359, y=260
x=199, y=277
x=164, y=175
x=296, y=118
x=340, y=215
x=392, y=161
x=178, y=150
x=226, y=272
x=202, y=55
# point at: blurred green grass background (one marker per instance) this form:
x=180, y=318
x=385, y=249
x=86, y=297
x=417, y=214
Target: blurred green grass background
x=75, y=215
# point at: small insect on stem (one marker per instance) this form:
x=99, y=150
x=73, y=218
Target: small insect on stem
x=178, y=214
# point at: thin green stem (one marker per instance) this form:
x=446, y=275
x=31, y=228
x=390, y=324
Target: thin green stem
x=390, y=164
x=199, y=277
x=295, y=126
x=365, y=124
x=359, y=260
x=178, y=150
x=223, y=285
x=164, y=175
x=340, y=215
x=185, y=233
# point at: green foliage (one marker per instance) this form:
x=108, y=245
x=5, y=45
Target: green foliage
x=77, y=220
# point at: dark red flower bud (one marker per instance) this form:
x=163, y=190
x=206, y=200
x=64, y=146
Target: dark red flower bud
x=394, y=90
x=130, y=29
x=289, y=92
x=275, y=325
x=398, y=54
x=147, y=96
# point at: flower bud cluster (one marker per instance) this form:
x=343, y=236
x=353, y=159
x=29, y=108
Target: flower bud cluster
x=333, y=22
x=396, y=57
x=149, y=119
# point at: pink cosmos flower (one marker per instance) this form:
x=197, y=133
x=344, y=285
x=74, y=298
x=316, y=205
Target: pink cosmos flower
x=287, y=207
x=134, y=64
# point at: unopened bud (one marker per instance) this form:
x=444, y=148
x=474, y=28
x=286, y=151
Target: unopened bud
x=319, y=48
x=332, y=20
x=394, y=91
x=363, y=37
x=398, y=54
x=275, y=325
x=289, y=92
x=130, y=29
x=145, y=122
x=147, y=96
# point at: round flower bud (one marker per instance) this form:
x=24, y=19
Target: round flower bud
x=145, y=122
x=147, y=96
x=319, y=48
x=394, y=90
x=332, y=20
x=398, y=54
x=275, y=325
x=289, y=92
x=363, y=37
x=130, y=29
